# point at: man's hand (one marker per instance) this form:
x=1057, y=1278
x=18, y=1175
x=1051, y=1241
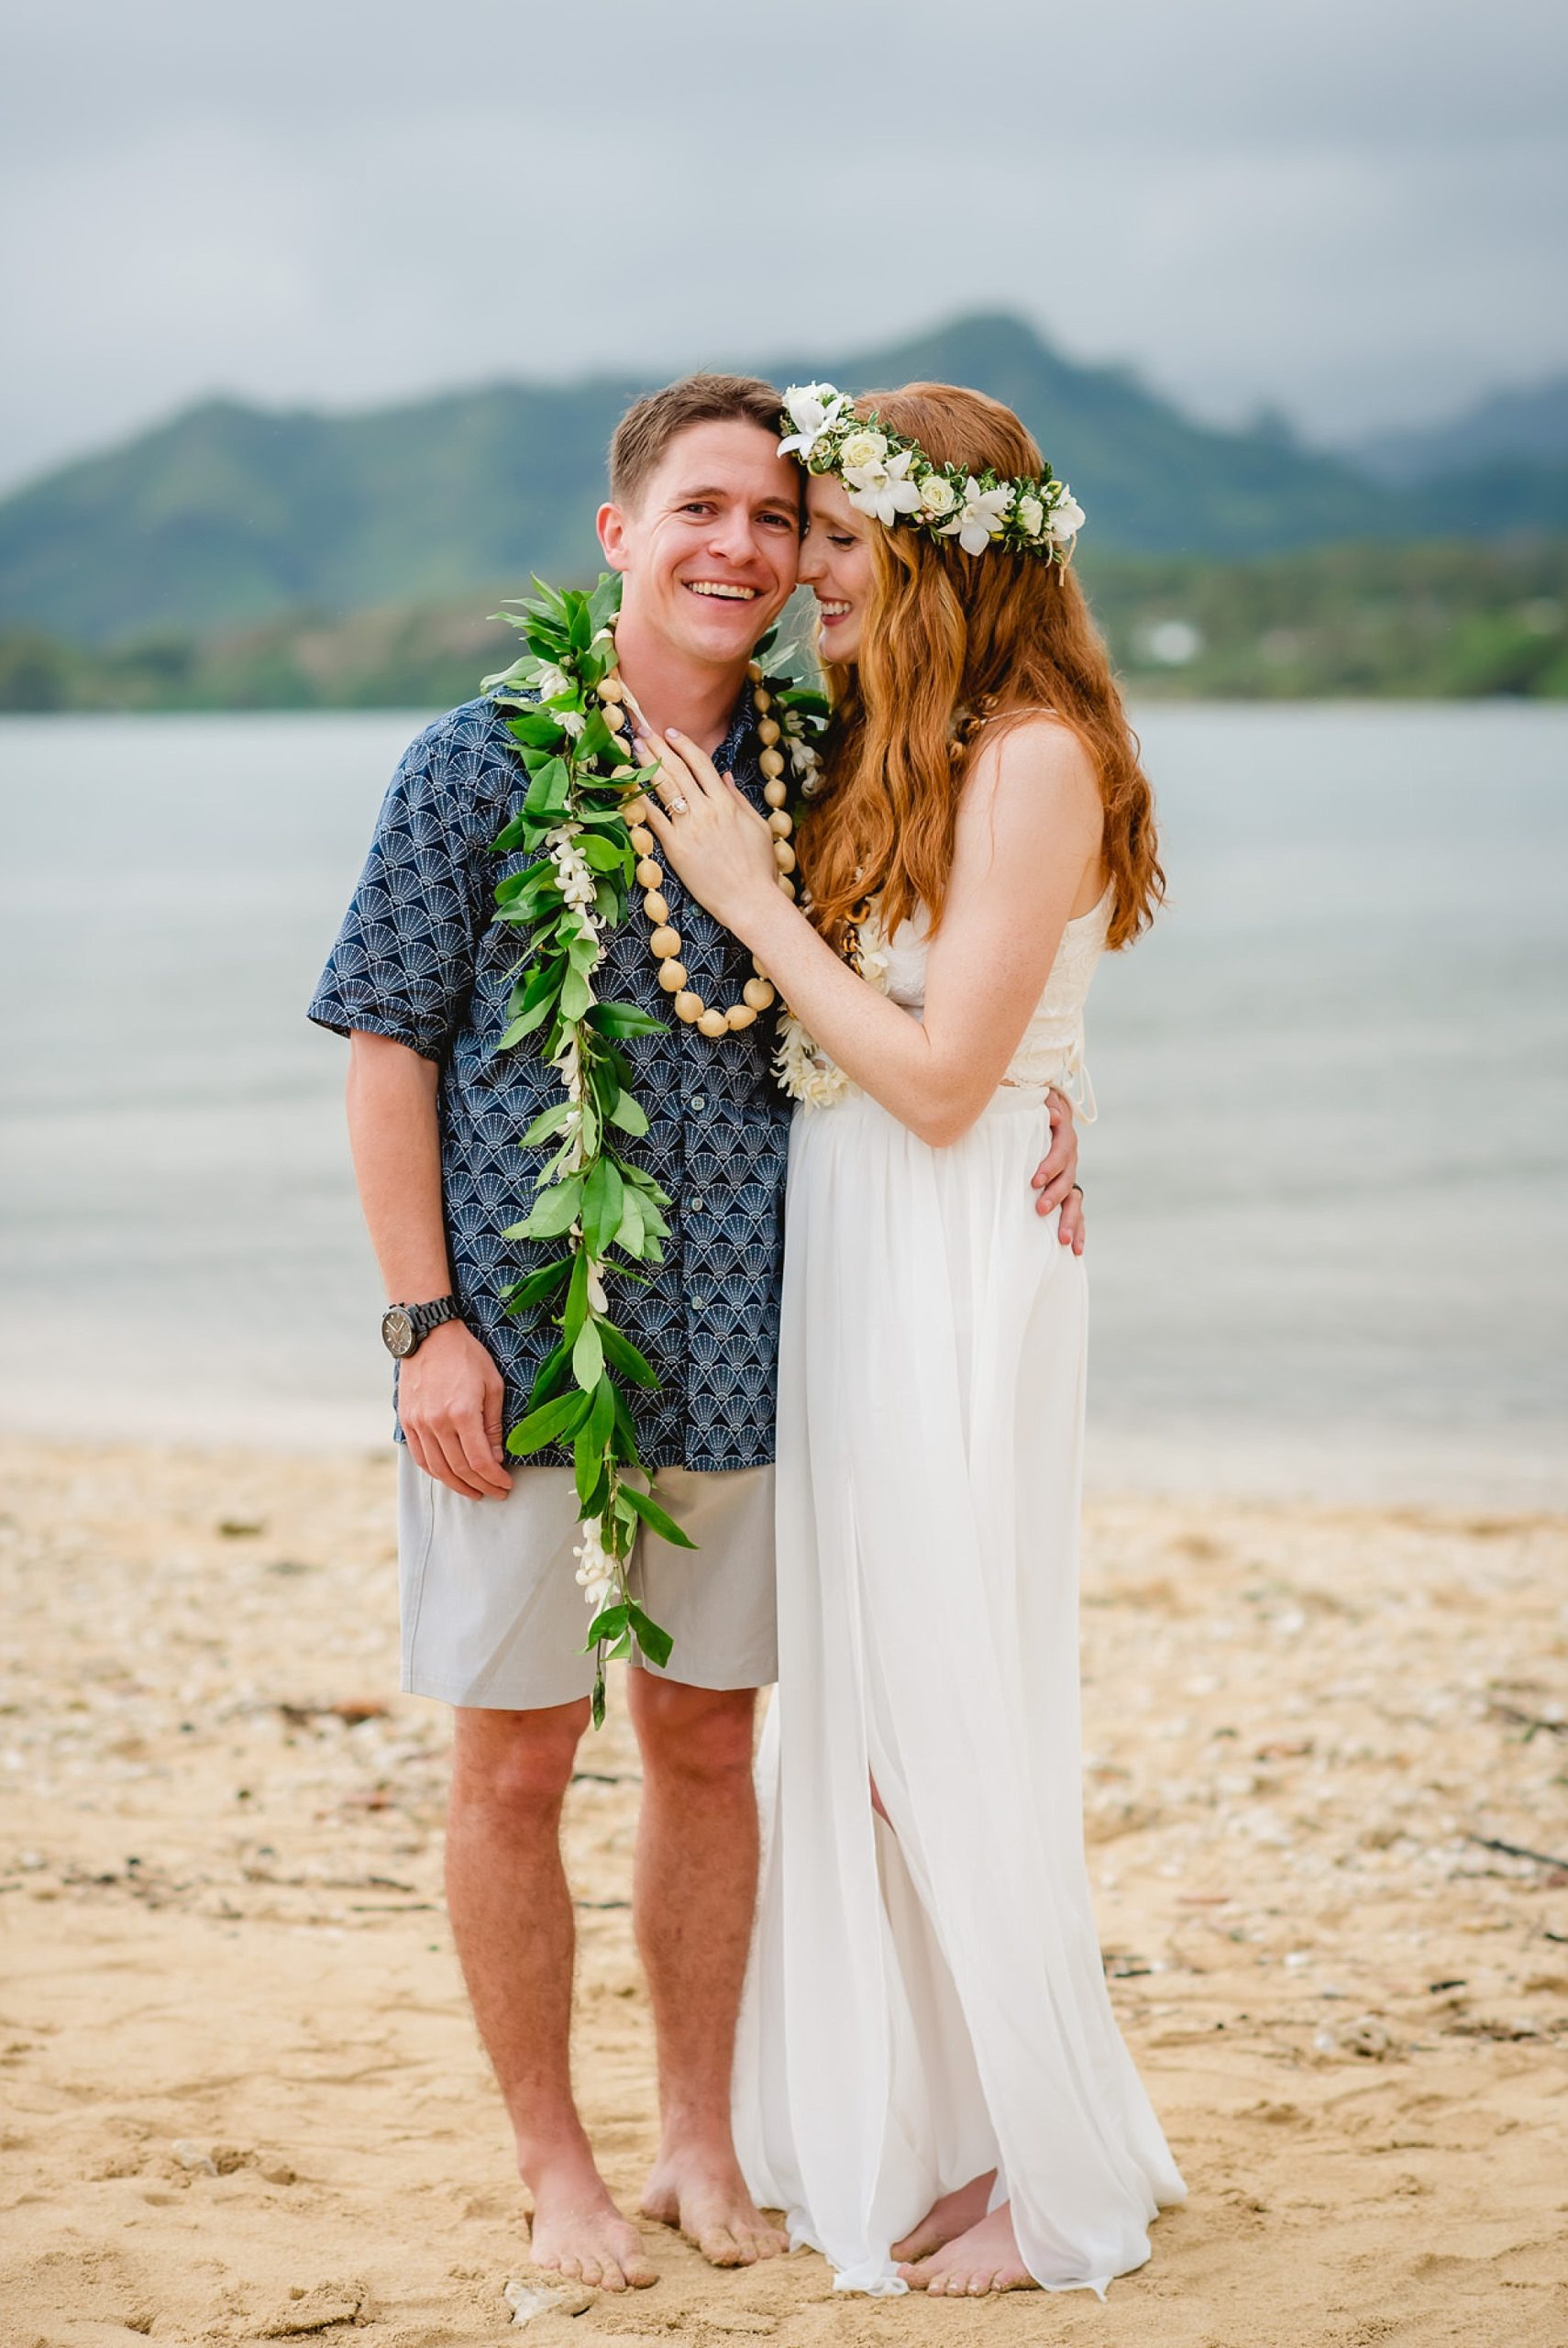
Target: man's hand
x=449, y=1403
x=1056, y=1177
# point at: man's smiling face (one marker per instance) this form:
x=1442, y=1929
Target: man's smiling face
x=708, y=552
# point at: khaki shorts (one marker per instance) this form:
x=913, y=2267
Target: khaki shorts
x=492, y=1615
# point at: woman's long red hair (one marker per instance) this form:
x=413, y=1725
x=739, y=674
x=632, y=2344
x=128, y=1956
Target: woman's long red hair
x=951, y=641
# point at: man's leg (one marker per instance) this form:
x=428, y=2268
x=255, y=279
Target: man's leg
x=694, y=1890
x=512, y=1920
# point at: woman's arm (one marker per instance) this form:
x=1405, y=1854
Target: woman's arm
x=1028, y=840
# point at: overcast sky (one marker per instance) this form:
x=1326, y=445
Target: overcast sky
x=1352, y=209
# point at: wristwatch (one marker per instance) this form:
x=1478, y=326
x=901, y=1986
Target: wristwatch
x=404, y=1327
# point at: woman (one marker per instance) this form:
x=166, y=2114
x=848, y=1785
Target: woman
x=930, y=2078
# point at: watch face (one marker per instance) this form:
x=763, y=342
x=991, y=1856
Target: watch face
x=397, y=1332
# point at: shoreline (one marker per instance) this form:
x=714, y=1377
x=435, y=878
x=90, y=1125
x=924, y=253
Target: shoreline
x=246, y=2100
x=1442, y=1471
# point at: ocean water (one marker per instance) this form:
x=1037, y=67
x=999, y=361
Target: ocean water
x=1328, y=1187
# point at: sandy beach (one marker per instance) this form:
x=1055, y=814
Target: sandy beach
x=242, y=2099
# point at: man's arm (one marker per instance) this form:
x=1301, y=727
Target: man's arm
x=450, y=1393
x=1056, y=1176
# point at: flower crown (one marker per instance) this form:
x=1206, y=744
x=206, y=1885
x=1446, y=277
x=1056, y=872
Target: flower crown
x=892, y=479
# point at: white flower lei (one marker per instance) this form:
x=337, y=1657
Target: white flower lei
x=894, y=481
x=802, y=1068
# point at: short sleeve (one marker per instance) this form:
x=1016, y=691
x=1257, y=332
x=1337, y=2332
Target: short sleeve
x=404, y=962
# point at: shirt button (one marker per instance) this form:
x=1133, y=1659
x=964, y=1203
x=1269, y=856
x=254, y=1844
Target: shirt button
x=699, y=1304
x=698, y=1201
x=697, y=1102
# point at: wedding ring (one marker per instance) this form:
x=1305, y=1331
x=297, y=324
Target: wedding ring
x=678, y=806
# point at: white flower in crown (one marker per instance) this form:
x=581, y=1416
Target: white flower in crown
x=1066, y=516
x=937, y=495
x=814, y=409
x=980, y=517
x=861, y=448
x=882, y=489
x=1030, y=516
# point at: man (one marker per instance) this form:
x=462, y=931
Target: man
x=703, y=524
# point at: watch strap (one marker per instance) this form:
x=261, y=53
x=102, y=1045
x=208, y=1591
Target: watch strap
x=426, y=1317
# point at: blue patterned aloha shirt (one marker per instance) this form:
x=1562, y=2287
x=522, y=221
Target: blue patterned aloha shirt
x=418, y=959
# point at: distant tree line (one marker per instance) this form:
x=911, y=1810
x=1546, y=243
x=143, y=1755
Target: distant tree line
x=1431, y=620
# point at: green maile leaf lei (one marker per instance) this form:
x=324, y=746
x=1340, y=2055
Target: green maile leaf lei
x=607, y=1212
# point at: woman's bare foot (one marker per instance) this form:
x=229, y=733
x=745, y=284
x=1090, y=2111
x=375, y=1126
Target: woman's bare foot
x=703, y=2196
x=953, y=2215
x=984, y=2259
x=580, y=2234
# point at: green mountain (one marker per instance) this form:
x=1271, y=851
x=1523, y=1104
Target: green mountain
x=231, y=515
x=1525, y=425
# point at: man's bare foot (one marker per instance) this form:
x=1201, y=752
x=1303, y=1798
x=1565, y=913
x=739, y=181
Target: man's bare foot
x=704, y=2195
x=579, y=2232
x=983, y=2259
x=946, y=2218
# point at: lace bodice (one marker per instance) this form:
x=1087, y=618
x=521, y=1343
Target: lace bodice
x=1051, y=1050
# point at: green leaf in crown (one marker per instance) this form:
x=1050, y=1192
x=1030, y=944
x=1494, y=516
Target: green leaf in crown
x=568, y=722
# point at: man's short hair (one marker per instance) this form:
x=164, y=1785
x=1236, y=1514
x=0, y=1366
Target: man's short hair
x=648, y=426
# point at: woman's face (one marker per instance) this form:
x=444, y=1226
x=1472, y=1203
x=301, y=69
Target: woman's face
x=835, y=563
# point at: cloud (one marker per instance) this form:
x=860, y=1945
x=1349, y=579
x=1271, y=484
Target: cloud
x=1353, y=212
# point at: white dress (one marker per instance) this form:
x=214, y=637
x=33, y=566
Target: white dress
x=926, y=2003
